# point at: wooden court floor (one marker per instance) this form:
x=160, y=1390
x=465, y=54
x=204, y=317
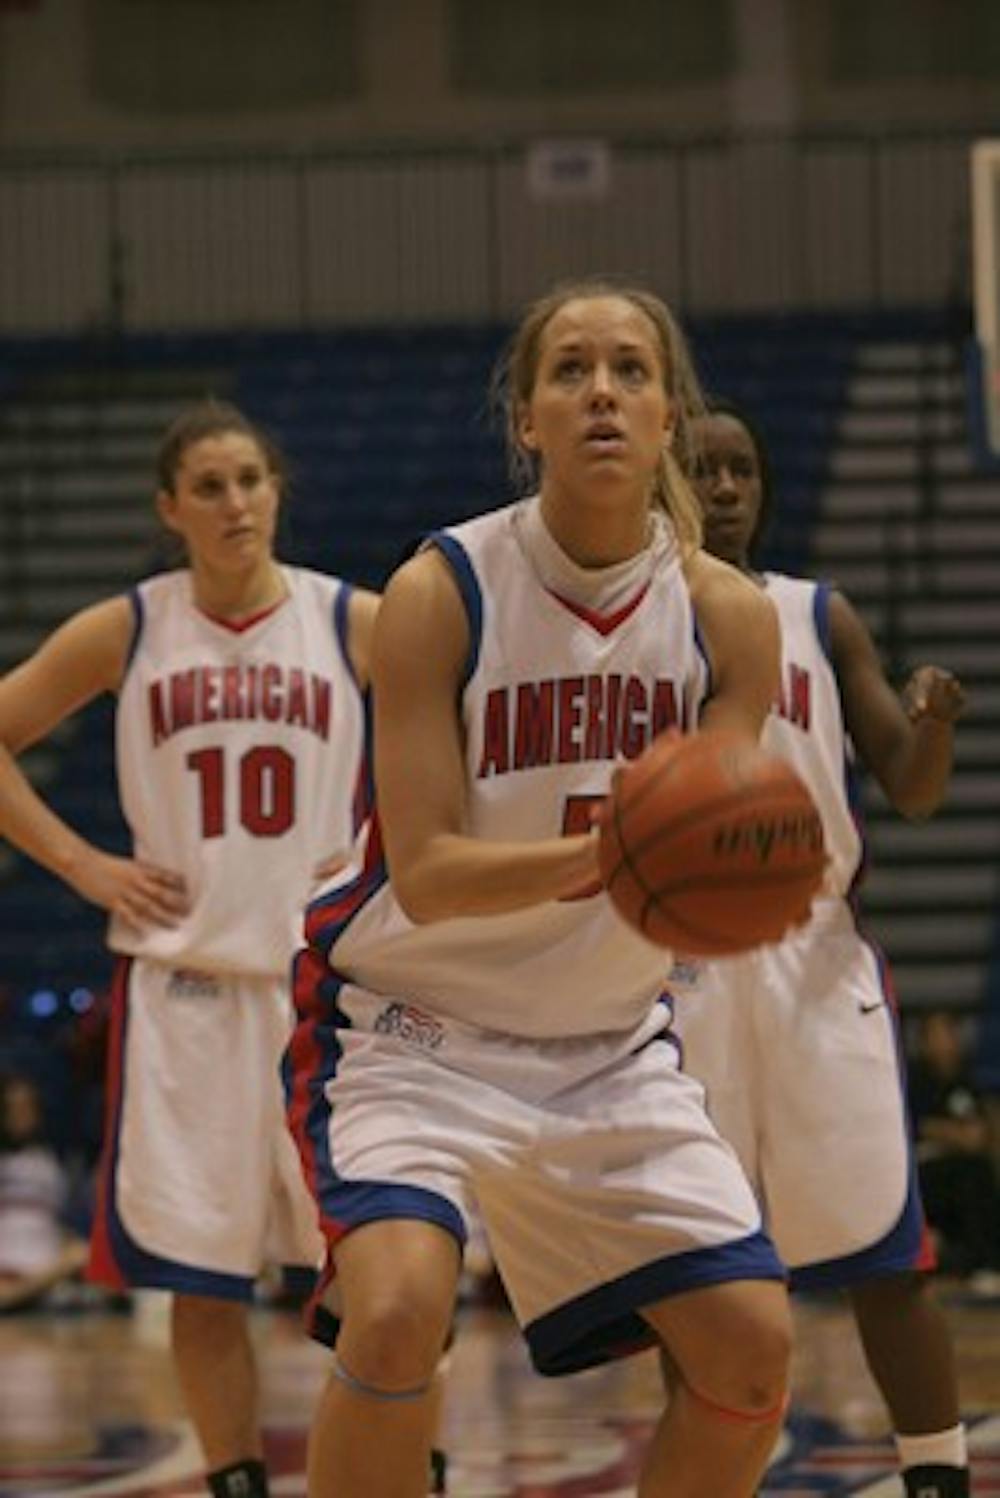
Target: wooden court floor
x=88, y=1408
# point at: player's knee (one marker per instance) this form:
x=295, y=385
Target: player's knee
x=395, y=1341
x=750, y=1373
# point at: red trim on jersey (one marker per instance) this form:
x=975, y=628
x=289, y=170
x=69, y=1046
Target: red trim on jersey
x=337, y=908
x=304, y=1057
x=102, y=1267
x=605, y=624
x=237, y=626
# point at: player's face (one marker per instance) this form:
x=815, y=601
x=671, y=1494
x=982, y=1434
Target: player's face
x=599, y=411
x=224, y=503
x=727, y=483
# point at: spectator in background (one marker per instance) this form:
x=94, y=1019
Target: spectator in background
x=36, y=1250
x=954, y=1154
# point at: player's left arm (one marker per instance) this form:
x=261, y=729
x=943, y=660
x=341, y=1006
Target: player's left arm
x=906, y=741
x=362, y=611
x=739, y=627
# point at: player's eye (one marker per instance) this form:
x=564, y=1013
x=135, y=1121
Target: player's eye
x=569, y=368
x=208, y=486
x=633, y=371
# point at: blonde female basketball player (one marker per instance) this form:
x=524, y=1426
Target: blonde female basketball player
x=797, y=1044
x=240, y=731
x=477, y=1027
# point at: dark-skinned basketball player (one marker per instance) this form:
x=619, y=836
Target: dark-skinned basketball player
x=797, y=1044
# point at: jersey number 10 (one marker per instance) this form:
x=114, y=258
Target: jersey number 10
x=266, y=790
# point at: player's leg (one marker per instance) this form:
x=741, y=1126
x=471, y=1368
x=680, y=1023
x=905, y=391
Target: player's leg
x=627, y=1214
x=839, y=1180
x=372, y=1434
x=909, y=1351
x=730, y=1345
x=217, y=1372
x=194, y=1103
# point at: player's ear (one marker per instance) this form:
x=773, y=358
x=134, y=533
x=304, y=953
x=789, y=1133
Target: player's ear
x=166, y=507
x=669, y=426
x=526, y=434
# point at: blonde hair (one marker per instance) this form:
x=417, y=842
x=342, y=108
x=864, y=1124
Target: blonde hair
x=517, y=369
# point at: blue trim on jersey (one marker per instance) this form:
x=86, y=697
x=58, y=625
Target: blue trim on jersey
x=702, y=649
x=138, y=620
x=140, y=1268
x=472, y=597
x=821, y=619
x=897, y=1252
x=342, y=905
x=341, y=627
x=606, y=1322
x=365, y=801
x=324, y=1041
x=352, y=1203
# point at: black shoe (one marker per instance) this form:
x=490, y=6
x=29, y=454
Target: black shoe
x=928, y=1481
x=439, y=1472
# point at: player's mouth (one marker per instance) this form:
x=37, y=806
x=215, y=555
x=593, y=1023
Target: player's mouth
x=604, y=437
x=726, y=522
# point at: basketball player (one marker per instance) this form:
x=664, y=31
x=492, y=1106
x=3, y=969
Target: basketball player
x=240, y=730
x=797, y=1044
x=484, y=1031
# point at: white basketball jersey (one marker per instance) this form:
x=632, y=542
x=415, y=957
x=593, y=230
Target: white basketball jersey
x=240, y=766
x=553, y=696
x=806, y=726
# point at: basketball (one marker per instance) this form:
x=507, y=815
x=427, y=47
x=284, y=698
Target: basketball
x=710, y=846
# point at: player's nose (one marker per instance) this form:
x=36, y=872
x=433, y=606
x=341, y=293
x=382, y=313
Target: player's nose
x=602, y=387
x=723, y=483
x=234, y=498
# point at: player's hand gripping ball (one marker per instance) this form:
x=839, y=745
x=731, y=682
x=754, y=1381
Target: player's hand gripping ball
x=711, y=846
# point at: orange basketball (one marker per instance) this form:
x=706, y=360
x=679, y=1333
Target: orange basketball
x=711, y=846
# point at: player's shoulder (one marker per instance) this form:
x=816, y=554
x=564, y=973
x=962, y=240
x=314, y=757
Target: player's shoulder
x=161, y=600
x=791, y=592
x=479, y=537
x=714, y=583
x=310, y=581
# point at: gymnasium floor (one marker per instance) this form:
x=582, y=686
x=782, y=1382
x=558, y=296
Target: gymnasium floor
x=88, y=1408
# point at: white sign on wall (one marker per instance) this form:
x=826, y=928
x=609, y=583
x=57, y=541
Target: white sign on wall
x=569, y=169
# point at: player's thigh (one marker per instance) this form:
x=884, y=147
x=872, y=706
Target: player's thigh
x=628, y=1180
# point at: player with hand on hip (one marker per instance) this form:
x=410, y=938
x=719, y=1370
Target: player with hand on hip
x=240, y=764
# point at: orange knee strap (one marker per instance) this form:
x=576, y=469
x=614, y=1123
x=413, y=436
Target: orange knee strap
x=740, y=1417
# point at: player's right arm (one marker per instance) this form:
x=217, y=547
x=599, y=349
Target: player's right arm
x=740, y=628
x=83, y=658
x=438, y=871
x=907, y=743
